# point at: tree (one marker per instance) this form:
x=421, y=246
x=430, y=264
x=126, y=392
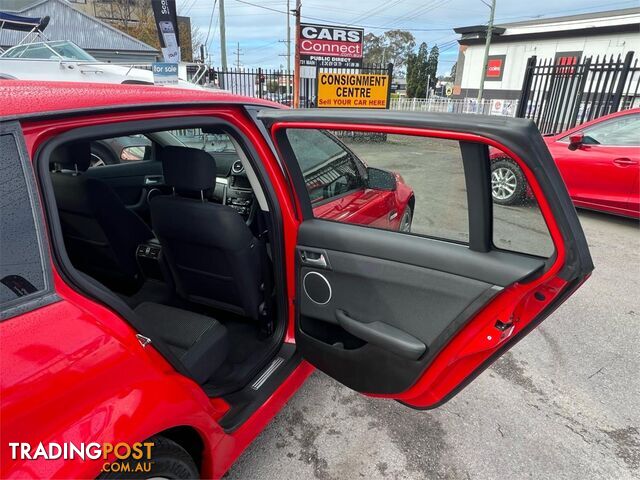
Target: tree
x=454, y=68
x=417, y=72
x=135, y=18
x=432, y=64
x=393, y=46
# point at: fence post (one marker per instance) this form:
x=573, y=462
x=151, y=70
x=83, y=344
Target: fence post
x=260, y=82
x=526, y=86
x=622, y=80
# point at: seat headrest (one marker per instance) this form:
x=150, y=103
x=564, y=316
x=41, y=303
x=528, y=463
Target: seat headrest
x=72, y=156
x=188, y=169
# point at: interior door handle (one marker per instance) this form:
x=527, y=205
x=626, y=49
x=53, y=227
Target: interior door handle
x=383, y=335
x=313, y=259
x=624, y=162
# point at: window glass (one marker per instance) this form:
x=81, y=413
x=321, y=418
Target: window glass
x=397, y=182
x=210, y=142
x=518, y=224
x=623, y=131
x=21, y=268
x=329, y=169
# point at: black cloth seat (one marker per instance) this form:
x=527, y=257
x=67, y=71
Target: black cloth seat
x=199, y=342
x=100, y=233
x=213, y=256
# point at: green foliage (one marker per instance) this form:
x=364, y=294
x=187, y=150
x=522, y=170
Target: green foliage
x=422, y=68
x=393, y=46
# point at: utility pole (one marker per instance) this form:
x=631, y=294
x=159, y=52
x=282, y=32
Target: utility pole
x=237, y=53
x=296, y=66
x=487, y=45
x=288, y=54
x=288, y=47
x=223, y=38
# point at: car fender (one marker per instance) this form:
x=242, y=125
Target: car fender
x=86, y=378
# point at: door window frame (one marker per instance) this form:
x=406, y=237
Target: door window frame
x=476, y=163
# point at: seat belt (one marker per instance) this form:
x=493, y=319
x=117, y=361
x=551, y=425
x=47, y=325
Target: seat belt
x=266, y=308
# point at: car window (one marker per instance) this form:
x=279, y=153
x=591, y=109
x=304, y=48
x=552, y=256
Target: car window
x=21, y=266
x=620, y=131
x=415, y=185
x=130, y=148
x=210, y=142
x=518, y=224
x=329, y=169
x=411, y=184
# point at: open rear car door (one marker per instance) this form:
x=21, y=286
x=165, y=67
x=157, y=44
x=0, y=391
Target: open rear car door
x=415, y=317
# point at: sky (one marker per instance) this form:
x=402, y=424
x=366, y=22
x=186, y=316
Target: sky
x=259, y=27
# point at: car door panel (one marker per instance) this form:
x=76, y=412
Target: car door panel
x=411, y=291
x=131, y=181
x=415, y=318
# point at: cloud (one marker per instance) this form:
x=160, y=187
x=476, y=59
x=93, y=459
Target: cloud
x=258, y=30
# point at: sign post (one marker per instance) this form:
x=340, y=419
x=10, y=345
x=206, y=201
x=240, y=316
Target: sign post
x=164, y=12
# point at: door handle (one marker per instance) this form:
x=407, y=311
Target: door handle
x=625, y=162
x=313, y=259
x=153, y=179
x=383, y=335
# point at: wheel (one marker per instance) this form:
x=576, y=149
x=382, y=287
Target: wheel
x=405, y=221
x=168, y=461
x=101, y=155
x=508, y=185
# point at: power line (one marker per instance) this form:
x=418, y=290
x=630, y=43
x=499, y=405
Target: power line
x=206, y=42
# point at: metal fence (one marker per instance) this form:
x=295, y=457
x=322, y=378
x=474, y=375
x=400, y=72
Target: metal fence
x=560, y=95
x=272, y=84
x=456, y=105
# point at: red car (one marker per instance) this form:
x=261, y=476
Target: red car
x=599, y=162
x=156, y=314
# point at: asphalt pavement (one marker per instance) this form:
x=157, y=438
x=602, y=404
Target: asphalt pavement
x=563, y=403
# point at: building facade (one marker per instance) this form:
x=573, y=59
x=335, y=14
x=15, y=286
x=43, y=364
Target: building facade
x=564, y=39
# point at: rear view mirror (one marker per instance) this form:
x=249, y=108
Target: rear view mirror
x=576, y=140
x=379, y=179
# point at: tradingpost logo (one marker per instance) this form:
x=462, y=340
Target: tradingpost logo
x=135, y=457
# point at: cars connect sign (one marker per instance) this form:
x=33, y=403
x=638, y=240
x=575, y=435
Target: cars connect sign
x=352, y=90
x=330, y=46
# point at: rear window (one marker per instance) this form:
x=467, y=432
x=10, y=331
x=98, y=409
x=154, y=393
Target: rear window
x=22, y=274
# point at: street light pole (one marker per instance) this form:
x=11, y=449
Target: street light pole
x=487, y=46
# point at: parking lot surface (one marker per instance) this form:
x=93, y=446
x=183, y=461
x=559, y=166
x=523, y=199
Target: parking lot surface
x=563, y=403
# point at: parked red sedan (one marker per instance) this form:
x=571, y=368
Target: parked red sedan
x=156, y=314
x=599, y=162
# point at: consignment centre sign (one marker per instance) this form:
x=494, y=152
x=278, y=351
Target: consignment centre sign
x=352, y=90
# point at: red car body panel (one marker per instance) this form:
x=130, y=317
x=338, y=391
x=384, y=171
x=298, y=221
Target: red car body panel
x=594, y=177
x=52, y=356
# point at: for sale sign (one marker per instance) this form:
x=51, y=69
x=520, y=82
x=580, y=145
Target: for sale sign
x=352, y=90
x=330, y=46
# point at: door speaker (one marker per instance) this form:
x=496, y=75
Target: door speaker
x=317, y=288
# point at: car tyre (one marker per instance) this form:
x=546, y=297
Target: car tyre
x=508, y=185
x=406, y=220
x=102, y=156
x=170, y=461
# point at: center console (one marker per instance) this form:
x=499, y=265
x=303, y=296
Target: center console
x=239, y=195
x=150, y=260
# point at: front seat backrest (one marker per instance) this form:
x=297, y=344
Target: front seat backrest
x=214, y=257
x=101, y=235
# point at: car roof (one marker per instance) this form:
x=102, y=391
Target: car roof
x=32, y=98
